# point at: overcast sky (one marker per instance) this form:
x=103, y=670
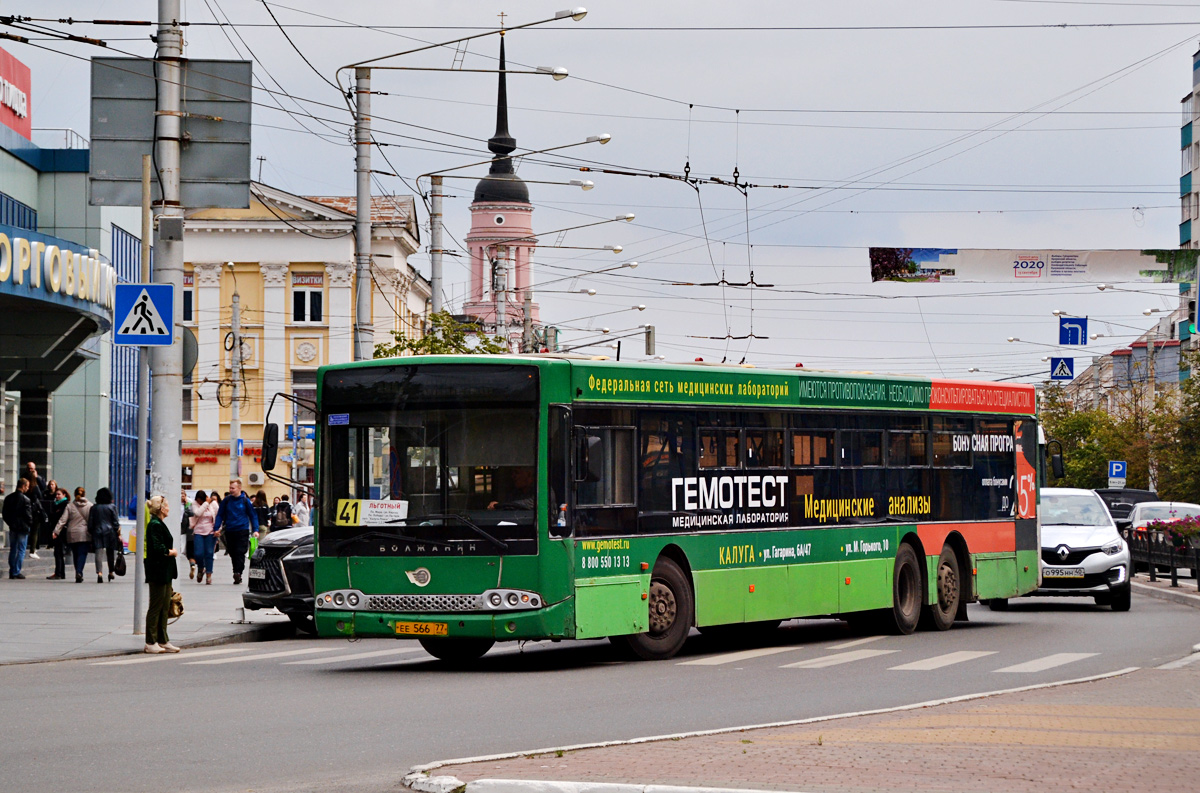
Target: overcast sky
x=917, y=137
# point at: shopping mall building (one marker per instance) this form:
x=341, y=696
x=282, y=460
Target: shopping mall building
x=68, y=400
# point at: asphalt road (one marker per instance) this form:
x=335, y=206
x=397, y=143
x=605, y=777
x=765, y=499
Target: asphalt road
x=330, y=715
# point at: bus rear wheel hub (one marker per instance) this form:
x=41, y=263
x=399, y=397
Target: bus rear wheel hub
x=662, y=608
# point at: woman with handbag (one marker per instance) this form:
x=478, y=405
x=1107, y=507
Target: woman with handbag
x=160, y=572
x=74, y=526
x=204, y=543
x=105, y=528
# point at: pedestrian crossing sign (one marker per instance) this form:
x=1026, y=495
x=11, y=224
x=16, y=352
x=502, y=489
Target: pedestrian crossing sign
x=144, y=314
x=1062, y=368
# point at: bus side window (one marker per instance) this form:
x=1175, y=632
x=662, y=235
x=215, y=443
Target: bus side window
x=604, y=480
x=558, y=458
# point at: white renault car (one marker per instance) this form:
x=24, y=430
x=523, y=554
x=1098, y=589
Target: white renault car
x=1082, y=551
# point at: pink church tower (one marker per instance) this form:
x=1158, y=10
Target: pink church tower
x=501, y=241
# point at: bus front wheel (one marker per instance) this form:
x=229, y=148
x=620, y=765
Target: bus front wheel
x=456, y=650
x=906, y=593
x=939, y=615
x=672, y=609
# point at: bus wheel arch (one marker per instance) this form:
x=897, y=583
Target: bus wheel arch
x=672, y=605
x=967, y=594
x=918, y=547
x=948, y=601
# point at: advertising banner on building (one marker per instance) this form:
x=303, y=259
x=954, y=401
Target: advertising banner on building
x=15, y=85
x=1028, y=266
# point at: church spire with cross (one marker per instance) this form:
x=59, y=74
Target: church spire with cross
x=501, y=228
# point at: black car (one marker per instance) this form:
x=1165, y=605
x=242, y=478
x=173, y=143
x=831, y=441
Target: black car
x=281, y=576
x=1120, y=501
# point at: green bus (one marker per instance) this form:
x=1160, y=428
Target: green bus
x=465, y=500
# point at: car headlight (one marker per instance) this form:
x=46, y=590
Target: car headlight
x=1113, y=548
x=302, y=554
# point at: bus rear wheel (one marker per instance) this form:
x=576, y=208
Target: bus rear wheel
x=939, y=615
x=672, y=611
x=907, y=599
x=457, y=650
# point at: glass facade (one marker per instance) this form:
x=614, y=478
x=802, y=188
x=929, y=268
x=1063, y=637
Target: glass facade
x=123, y=390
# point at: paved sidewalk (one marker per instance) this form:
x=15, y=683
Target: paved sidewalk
x=1137, y=732
x=44, y=620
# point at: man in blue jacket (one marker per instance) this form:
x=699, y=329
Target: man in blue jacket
x=236, y=518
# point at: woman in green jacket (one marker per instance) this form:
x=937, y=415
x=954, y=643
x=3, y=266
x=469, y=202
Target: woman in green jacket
x=160, y=572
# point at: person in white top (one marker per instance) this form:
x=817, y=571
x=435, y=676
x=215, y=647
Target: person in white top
x=204, y=543
x=301, y=509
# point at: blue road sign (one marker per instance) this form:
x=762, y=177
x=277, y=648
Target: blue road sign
x=144, y=315
x=1062, y=368
x=240, y=448
x=1116, y=469
x=1072, y=330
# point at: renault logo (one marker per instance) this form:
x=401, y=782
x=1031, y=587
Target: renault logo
x=1063, y=552
x=420, y=576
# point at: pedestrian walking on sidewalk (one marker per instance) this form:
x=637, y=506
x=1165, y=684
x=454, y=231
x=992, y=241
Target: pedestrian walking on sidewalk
x=262, y=511
x=281, y=514
x=235, y=520
x=204, y=542
x=302, y=510
x=160, y=572
x=185, y=531
x=74, y=525
x=38, y=493
x=18, y=514
x=57, y=507
x=105, y=527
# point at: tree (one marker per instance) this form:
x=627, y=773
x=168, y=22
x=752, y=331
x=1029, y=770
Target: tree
x=891, y=264
x=448, y=337
x=1176, y=444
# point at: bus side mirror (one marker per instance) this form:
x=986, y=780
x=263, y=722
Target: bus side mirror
x=1056, y=466
x=270, y=446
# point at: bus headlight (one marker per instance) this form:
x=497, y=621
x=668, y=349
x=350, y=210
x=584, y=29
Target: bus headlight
x=339, y=599
x=496, y=600
x=513, y=600
x=352, y=599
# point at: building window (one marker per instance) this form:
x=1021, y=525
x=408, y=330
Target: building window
x=188, y=305
x=304, y=386
x=306, y=304
x=1187, y=159
x=188, y=415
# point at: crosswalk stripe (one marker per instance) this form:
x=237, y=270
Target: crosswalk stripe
x=1047, y=662
x=856, y=643
x=144, y=658
x=262, y=656
x=355, y=656
x=838, y=658
x=733, y=658
x=939, y=661
x=1180, y=663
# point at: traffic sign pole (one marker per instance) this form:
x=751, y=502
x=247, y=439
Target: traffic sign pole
x=143, y=419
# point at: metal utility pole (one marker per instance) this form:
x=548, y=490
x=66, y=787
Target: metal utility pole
x=167, y=425
x=500, y=294
x=143, y=417
x=364, y=329
x=235, y=393
x=528, y=340
x=435, y=241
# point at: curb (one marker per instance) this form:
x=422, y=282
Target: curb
x=539, y=786
x=1175, y=595
x=418, y=778
x=255, y=633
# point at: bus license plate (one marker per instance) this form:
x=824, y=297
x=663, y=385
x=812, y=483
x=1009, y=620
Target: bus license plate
x=422, y=628
x=1062, y=572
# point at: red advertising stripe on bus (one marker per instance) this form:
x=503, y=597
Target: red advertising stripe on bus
x=983, y=537
x=981, y=397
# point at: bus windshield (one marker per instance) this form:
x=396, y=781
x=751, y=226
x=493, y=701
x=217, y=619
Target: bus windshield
x=419, y=478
